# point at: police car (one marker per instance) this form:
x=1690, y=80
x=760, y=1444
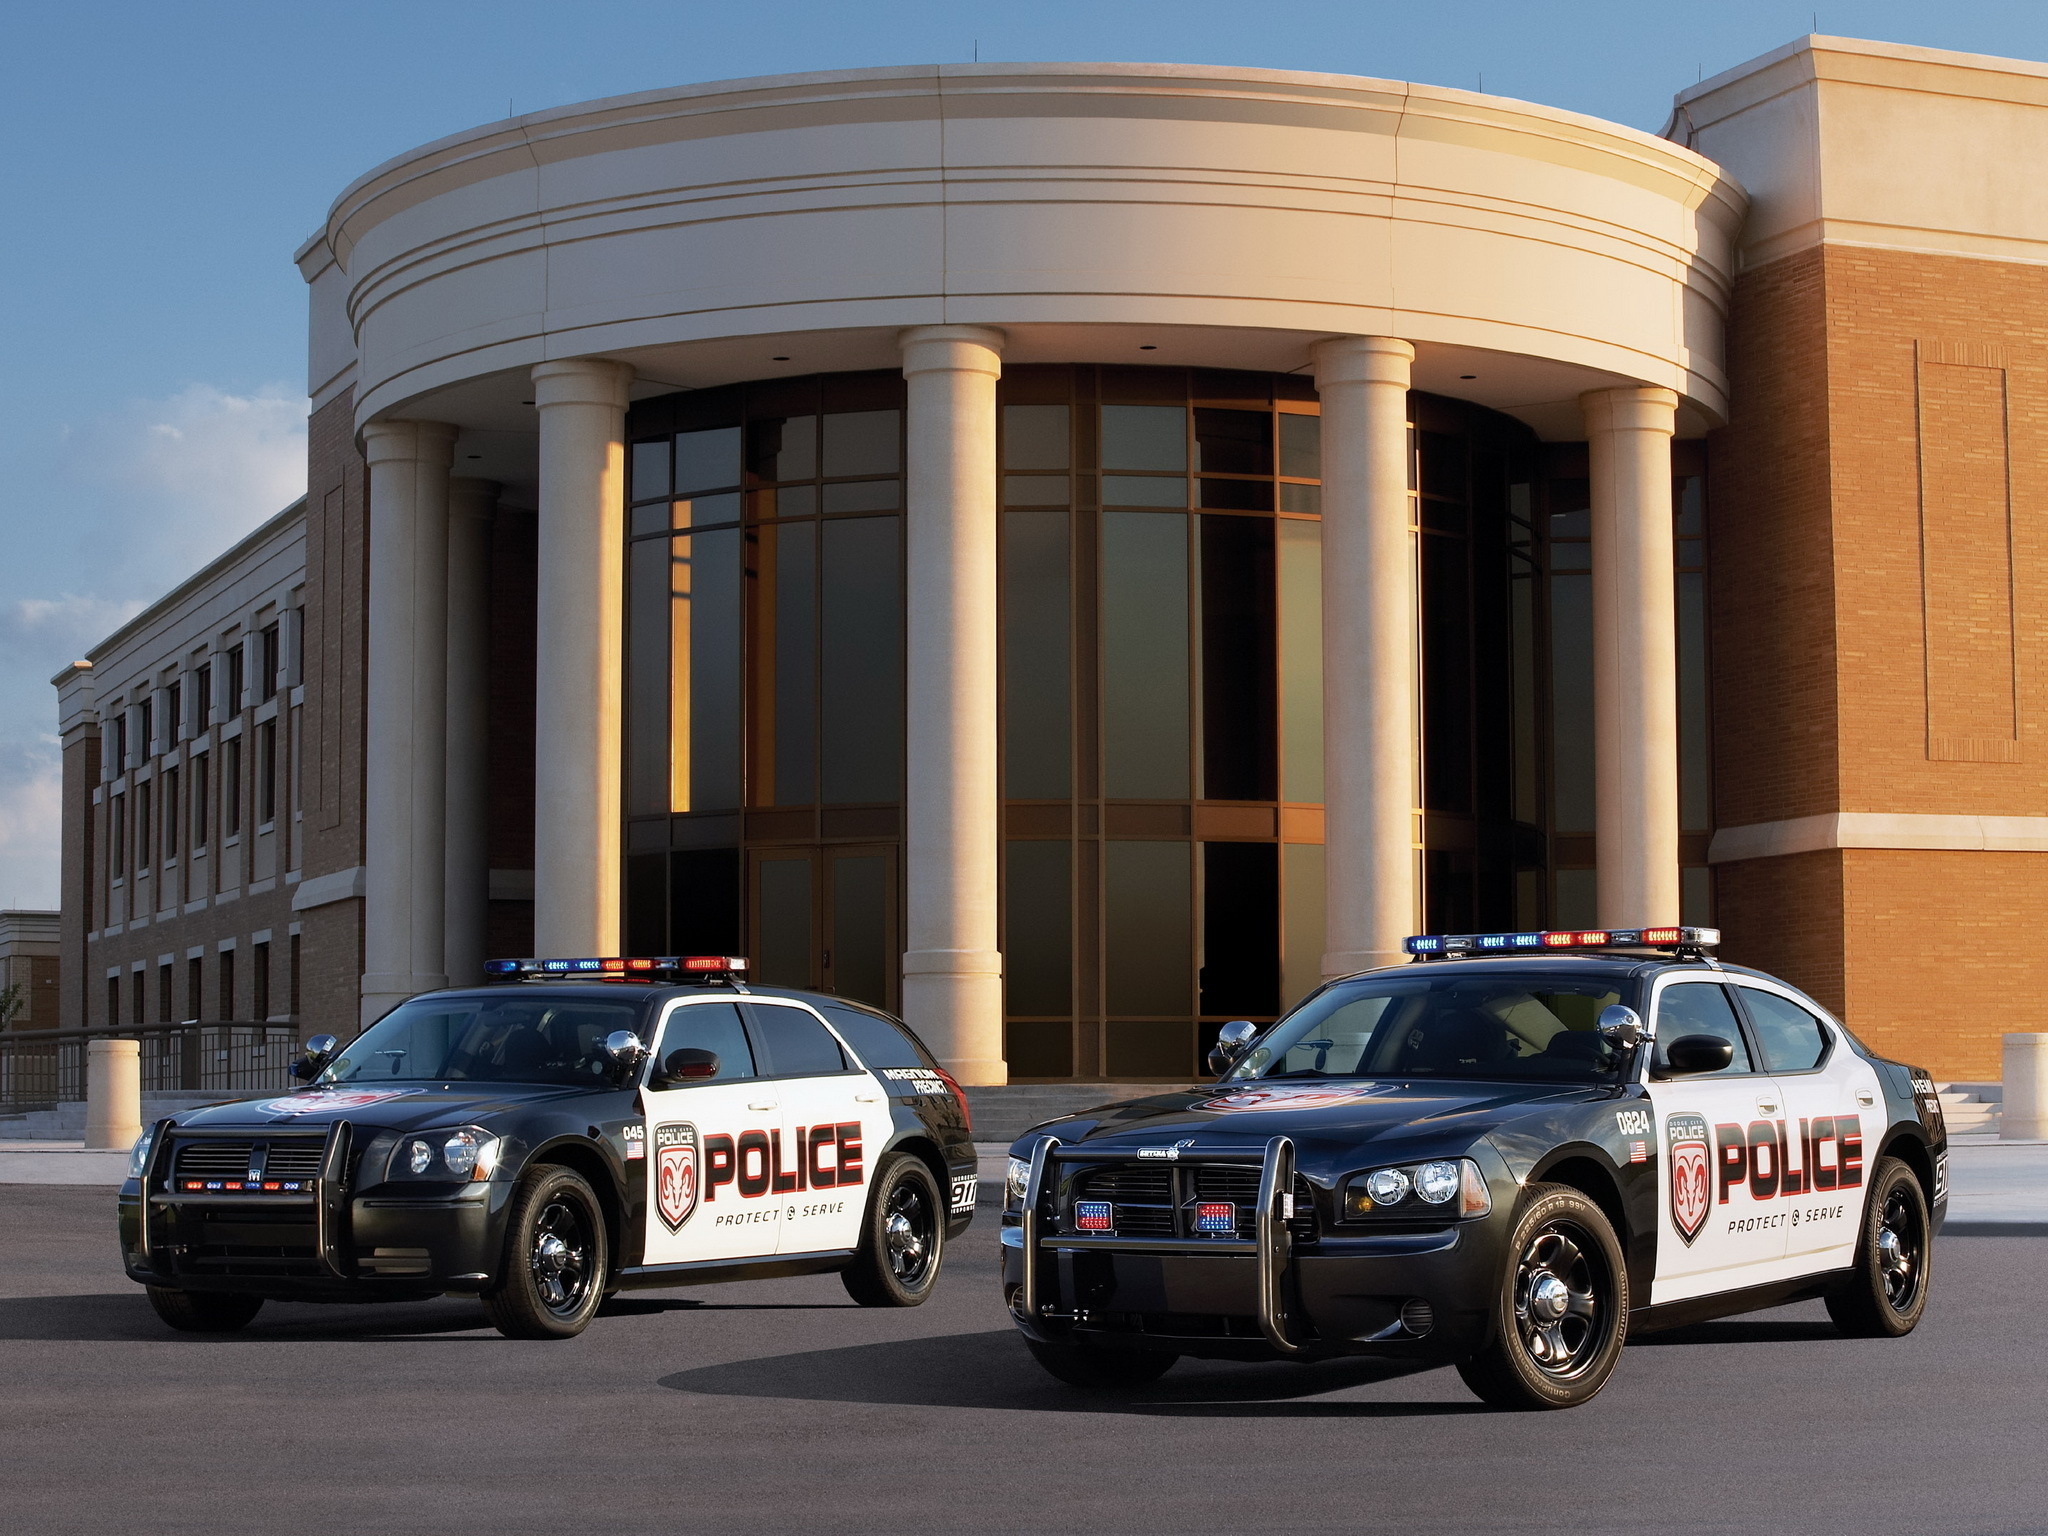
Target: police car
x=1507, y=1155
x=584, y=1126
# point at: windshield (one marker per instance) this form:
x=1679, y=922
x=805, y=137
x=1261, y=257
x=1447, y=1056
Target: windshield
x=507, y=1039
x=1447, y=1025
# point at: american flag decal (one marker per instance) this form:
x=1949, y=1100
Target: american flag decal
x=1638, y=1151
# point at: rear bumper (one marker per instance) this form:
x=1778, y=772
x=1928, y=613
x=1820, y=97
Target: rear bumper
x=1425, y=1295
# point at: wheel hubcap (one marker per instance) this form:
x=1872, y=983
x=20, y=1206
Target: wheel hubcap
x=908, y=1234
x=560, y=1258
x=1561, y=1317
x=1898, y=1251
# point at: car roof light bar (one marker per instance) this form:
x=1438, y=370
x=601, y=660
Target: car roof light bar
x=1448, y=946
x=619, y=968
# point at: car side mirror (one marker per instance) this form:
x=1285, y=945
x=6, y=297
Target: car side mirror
x=1621, y=1025
x=1232, y=1041
x=1698, y=1053
x=319, y=1051
x=624, y=1050
x=689, y=1064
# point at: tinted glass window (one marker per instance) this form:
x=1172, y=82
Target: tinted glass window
x=1455, y=1025
x=1700, y=1008
x=713, y=1027
x=794, y=1044
x=530, y=1038
x=1790, y=1038
x=877, y=1041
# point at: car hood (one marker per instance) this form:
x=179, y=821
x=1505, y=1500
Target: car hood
x=391, y=1106
x=1341, y=1113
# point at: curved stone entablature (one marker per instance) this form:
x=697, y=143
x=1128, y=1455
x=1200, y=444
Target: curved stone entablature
x=1225, y=217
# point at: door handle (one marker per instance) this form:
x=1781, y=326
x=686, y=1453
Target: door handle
x=765, y=1104
x=867, y=1098
x=1767, y=1106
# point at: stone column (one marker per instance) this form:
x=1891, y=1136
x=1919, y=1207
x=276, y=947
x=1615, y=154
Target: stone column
x=2023, y=1107
x=1635, y=655
x=471, y=505
x=952, y=969
x=406, y=712
x=1370, y=706
x=578, y=701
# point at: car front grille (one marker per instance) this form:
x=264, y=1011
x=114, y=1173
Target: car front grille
x=1158, y=1199
x=213, y=1159
x=298, y=1158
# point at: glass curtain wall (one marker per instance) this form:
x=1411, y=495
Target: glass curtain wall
x=764, y=678
x=1161, y=692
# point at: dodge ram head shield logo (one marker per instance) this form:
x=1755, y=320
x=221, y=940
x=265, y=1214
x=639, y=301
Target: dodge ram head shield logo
x=1691, y=1178
x=675, y=1173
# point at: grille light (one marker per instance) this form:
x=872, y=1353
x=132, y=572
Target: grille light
x=1216, y=1216
x=1094, y=1216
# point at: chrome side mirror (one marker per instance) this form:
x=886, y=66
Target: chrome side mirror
x=1232, y=1041
x=319, y=1051
x=1621, y=1025
x=624, y=1049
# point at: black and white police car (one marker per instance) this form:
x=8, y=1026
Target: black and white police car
x=1507, y=1155
x=584, y=1126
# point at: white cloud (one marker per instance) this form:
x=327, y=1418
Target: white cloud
x=190, y=474
x=149, y=493
x=31, y=781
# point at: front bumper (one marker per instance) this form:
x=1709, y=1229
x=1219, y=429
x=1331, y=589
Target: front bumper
x=1419, y=1294
x=330, y=1243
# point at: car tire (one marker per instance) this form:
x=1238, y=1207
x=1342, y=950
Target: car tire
x=204, y=1311
x=902, y=1238
x=556, y=1261
x=1887, y=1291
x=1561, y=1311
x=1094, y=1368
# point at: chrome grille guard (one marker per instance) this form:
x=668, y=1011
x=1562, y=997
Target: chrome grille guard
x=1272, y=1246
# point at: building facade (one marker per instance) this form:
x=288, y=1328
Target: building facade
x=1080, y=553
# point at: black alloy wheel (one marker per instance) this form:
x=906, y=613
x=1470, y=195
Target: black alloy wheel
x=903, y=1238
x=555, y=1262
x=1887, y=1292
x=204, y=1311
x=1561, y=1317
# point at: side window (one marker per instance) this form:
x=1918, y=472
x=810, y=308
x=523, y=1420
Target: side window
x=713, y=1027
x=877, y=1041
x=1790, y=1038
x=1700, y=1008
x=793, y=1043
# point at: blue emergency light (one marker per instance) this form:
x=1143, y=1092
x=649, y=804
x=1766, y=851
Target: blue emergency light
x=1445, y=946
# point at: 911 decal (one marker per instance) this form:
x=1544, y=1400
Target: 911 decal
x=965, y=1187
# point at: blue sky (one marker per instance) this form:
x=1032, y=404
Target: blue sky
x=160, y=162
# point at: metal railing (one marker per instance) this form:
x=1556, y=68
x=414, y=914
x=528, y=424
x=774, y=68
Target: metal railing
x=40, y=1069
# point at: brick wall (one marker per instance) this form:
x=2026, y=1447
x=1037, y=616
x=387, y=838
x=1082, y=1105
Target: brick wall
x=1879, y=584
x=336, y=660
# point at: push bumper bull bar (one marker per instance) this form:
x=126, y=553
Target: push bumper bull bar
x=1272, y=1244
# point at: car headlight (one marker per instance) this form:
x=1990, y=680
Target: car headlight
x=138, y=1156
x=467, y=1154
x=1440, y=1187
x=1016, y=1183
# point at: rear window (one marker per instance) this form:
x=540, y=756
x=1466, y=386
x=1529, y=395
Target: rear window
x=876, y=1041
x=794, y=1043
x=1790, y=1038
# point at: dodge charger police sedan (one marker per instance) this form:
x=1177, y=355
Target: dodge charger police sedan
x=1506, y=1155
x=585, y=1126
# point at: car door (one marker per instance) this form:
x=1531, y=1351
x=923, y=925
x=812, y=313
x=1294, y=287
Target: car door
x=833, y=1118
x=1832, y=1100
x=1721, y=1227
x=706, y=1139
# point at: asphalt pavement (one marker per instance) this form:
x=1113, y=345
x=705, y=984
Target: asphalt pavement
x=780, y=1407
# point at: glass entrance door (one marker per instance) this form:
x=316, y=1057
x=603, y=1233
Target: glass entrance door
x=825, y=919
